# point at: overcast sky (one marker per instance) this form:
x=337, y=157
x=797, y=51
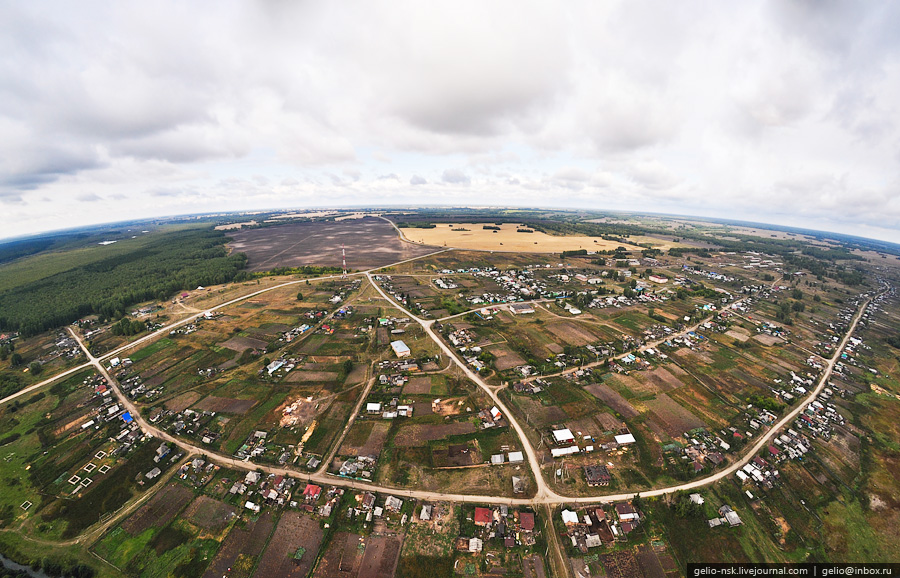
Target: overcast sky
x=783, y=112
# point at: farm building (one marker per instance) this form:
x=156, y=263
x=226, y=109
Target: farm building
x=520, y=308
x=516, y=457
x=400, y=348
x=563, y=436
x=625, y=439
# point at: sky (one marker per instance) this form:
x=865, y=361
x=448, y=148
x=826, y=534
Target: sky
x=783, y=111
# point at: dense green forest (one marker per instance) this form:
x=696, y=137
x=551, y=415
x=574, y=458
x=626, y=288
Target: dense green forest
x=175, y=261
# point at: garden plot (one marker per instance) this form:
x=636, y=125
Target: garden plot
x=160, y=510
x=505, y=358
x=663, y=379
x=182, y=402
x=209, y=513
x=294, y=531
x=241, y=343
x=572, y=333
x=539, y=415
x=246, y=543
x=674, y=418
x=365, y=439
x=417, y=434
x=381, y=556
x=225, y=404
x=418, y=386
x=611, y=398
x=311, y=376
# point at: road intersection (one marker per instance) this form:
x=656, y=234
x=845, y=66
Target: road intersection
x=544, y=496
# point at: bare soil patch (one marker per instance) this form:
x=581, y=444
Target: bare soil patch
x=182, y=402
x=674, y=418
x=225, y=404
x=209, y=513
x=608, y=421
x=381, y=556
x=738, y=334
x=238, y=343
x=663, y=379
x=612, y=398
x=766, y=339
x=505, y=358
x=159, y=511
x=369, y=242
x=571, y=333
x=294, y=531
x=248, y=541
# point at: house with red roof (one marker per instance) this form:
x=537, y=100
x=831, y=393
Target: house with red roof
x=483, y=516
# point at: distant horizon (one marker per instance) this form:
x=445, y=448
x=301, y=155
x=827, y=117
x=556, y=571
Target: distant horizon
x=378, y=208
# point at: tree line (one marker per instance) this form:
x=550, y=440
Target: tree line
x=177, y=261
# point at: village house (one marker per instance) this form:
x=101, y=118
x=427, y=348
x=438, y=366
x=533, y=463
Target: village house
x=597, y=475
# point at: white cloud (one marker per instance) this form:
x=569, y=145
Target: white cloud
x=781, y=110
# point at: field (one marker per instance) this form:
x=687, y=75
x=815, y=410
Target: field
x=368, y=242
x=293, y=531
x=209, y=514
x=506, y=239
x=159, y=510
x=650, y=357
x=241, y=548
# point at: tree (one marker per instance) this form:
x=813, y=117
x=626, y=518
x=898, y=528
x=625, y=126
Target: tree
x=35, y=368
x=299, y=296
x=15, y=360
x=266, y=361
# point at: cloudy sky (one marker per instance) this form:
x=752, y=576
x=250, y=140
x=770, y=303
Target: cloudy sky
x=780, y=111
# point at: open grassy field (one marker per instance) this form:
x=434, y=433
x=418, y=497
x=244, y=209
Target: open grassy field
x=506, y=239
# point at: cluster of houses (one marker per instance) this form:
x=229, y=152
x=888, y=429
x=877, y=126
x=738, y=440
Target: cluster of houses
x=511, y=527
x=594, y=526
x=198, y=471
x=358, y=467
x=390, y=410
x=707, y=274
x=703, y=449
x=281, y=366
x=819, y=415
x=256, y=445
x=443, y=283
x=367, y=507
x=65, y=346
x=258, y=490
x=461, y=337
x=394, y=366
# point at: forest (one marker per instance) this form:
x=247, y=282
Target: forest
x=173, y=262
